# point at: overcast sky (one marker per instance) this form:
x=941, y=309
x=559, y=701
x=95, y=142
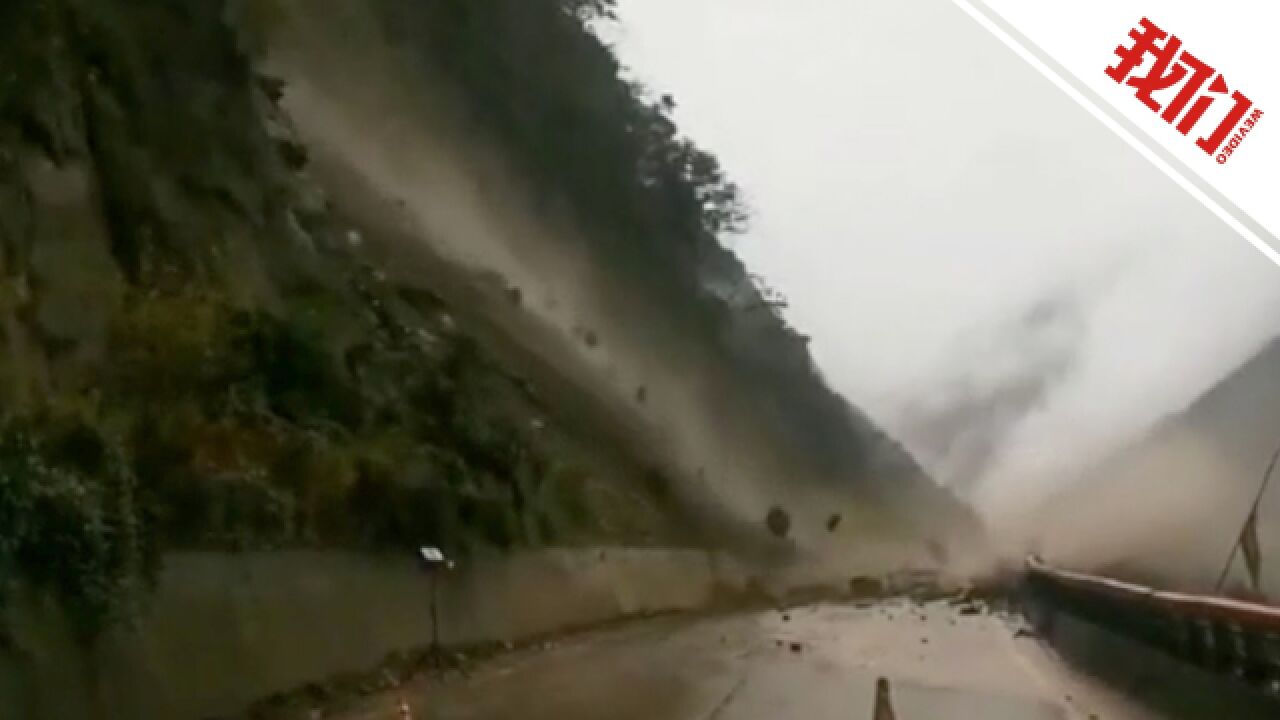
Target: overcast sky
x=982, y=266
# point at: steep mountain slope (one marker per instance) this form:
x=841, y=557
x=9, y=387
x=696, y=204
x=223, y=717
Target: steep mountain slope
x=378, y=274
x=503, y=134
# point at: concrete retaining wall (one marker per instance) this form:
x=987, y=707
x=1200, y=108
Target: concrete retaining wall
x=224, y=630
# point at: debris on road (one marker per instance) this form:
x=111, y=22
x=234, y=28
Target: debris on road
x=866, y=587
x=966, y=604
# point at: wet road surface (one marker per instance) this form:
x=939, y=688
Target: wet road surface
x=813, y=662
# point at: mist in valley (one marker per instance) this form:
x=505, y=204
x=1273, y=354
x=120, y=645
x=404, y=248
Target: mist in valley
x=1015, y=293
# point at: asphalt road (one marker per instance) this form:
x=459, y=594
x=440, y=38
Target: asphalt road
x=814, y=663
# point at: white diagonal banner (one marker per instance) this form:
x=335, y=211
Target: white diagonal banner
x=1191, y=85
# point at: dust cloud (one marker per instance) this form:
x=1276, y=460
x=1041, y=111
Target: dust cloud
x=1167, y=501
x=915, y=251
x=411, y=165
x=1168, y=507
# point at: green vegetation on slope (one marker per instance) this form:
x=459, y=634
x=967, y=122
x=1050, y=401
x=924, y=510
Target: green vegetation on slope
x=194, y=355
x=658, y=209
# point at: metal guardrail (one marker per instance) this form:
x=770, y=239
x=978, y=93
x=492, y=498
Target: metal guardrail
x=1222, y=635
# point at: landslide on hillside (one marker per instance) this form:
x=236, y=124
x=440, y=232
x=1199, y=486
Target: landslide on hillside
x=499, y=136
x=371, y=275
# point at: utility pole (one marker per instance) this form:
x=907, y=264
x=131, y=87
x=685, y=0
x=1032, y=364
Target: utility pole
x=1249, y=521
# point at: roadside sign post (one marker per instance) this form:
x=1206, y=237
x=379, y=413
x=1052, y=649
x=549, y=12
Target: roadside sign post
x=435, y=563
